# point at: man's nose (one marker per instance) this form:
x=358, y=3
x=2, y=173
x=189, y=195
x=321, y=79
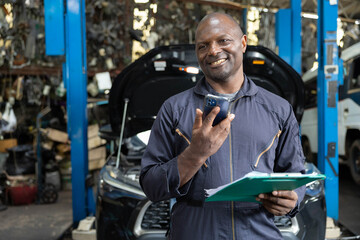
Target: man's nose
x=214, y=49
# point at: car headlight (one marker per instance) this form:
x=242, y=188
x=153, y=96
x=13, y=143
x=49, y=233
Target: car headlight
x=104, y=187
x=313, y=189
x=119, y=184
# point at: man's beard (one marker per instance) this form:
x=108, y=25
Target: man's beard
x=219, y=77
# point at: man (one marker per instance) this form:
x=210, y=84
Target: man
x=186, y=154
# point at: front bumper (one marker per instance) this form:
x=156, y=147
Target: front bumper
x=309, y=223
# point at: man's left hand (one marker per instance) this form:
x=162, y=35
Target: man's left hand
x=279, y=203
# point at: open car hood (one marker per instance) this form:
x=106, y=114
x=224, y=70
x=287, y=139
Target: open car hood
x=168, y=70
x=271, y=72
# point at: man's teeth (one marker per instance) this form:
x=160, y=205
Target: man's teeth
x=218, y=62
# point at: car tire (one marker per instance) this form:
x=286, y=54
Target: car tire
x=354, y=161
x=307, y=151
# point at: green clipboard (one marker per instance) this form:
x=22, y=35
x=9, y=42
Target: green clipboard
x=246, y=189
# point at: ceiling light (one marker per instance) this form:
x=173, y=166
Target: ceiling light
x=310, y=15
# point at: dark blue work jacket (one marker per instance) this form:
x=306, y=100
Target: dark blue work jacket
x=264, y=137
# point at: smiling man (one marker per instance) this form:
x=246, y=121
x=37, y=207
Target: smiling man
x=220, y=44
x=187, y=154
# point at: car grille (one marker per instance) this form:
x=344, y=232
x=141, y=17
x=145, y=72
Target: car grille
x=283, y=221
x=157, y=216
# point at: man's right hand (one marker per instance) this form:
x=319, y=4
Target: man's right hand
x=205, y=141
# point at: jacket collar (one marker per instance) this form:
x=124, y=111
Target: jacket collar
x=248, y=88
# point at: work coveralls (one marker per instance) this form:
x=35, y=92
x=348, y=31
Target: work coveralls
x=264, y=137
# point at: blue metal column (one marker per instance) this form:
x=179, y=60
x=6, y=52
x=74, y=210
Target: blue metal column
x=54, y=27
x=288, y=34
x=55, y=46
x=283, y=34
x=296, y=35
x=76, y=76
x=327, y=84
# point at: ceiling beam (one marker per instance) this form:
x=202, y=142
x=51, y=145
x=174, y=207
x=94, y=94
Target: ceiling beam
x=238, y=6
x=340, y=9
x=344, y=10
x=218, y=3
x=355, y=11
x=228, y=4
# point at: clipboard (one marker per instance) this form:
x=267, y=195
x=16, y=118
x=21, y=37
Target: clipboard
x=247, y=188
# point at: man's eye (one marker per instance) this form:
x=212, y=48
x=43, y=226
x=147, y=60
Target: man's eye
x=201, y=47
x=224, y=41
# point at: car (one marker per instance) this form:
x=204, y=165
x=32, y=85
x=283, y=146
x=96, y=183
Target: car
x=348, y=113
x=122, y=209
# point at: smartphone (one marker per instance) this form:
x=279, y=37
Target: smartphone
x=211, y=101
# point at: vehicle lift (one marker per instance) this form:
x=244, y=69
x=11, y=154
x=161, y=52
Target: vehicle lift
x=327, y=84
x=288, y=30
x=65, y=35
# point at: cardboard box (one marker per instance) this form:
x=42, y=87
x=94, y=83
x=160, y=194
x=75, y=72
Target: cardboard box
x=85, y=230
x=63, y=148
x=93, y=130
x=7, y=143
x=95, y=142
x=97, y=153
x=93, y=137
x=56, y=135
x=97, y=158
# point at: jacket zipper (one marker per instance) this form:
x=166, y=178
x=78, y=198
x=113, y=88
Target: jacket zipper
x=182, y=135
x=186, y=139
x=231, y=179
x=267, y=149
x=231, y=162
x=231, y=173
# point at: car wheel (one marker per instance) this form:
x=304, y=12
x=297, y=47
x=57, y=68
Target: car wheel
x=307, y=151
x=49, y=194
x=354, y=161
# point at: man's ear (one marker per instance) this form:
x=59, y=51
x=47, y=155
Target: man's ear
x=244, y=43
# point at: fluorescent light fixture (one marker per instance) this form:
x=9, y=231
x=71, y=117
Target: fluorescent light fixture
x=357, y=22
x=310, y=15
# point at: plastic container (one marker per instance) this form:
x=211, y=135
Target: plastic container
x=23, y=194
x=66, y=181
x=53, y=178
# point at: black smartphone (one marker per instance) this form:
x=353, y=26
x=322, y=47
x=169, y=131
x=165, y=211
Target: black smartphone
x=211, y=101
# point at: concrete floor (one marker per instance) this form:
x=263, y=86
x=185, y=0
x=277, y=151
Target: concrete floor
x=37, y=221
x=349, y=201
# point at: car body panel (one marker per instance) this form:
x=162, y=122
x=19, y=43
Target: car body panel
x=161, y=73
